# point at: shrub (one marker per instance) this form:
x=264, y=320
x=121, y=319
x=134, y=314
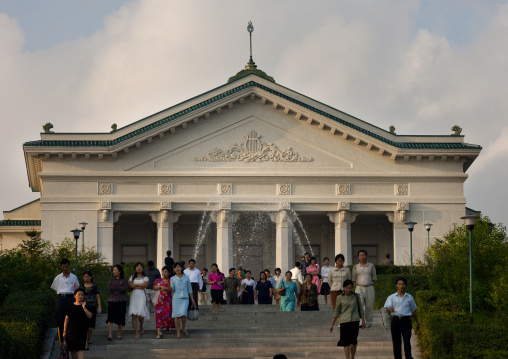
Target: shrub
x=24, y=340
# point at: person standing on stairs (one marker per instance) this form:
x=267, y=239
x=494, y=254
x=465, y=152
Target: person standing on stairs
x=232, y=286
x=216, y=279
x=117, y=301
x=349, y=310
x=182, y=293
x=403, y=307
x=364, y=274
x=336, y=277
x=164, y=306
x=137, y=305
x=249, y=286
x=195, y=278
x=325, y=287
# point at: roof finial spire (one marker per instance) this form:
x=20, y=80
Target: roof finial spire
x=251, y=65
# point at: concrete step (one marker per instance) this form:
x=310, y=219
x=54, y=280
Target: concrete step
x=243, y=332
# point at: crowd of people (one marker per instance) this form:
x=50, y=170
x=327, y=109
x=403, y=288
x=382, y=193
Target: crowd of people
x=171, y=292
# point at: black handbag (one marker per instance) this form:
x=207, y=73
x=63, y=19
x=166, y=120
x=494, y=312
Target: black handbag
x=193, y=313
x=64, y=352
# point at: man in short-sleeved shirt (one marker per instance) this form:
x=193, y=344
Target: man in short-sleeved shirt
x=232, y=286
x=196, y=279
x=402, y=307
x=364, y=274
x=64, y=285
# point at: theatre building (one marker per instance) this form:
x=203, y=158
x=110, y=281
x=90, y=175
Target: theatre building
x=250, y=173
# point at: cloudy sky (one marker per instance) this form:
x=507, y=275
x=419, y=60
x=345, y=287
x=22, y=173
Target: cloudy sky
x=422, y=66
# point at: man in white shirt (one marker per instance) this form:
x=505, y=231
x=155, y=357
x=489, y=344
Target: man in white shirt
x=64, y=285
x=364, y=274
x=195, y=278
x=296, y=275
x=325, y=287
x=403, y=307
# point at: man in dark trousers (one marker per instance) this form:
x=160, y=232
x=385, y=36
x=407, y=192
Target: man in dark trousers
x=232, y=286
x=64, y=285
x=402, y=307
x=169, y=262
x=195, y=278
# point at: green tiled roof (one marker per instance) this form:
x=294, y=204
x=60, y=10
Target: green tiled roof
x=20, y=223
x=109, y=143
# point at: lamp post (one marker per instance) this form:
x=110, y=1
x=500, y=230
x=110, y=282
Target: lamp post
x=83, y=226
x=427, y=227
x=75, y=233
x=470, y=222
x=410, y=226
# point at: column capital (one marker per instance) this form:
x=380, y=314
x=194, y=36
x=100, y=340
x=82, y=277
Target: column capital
x=397, y=217
x=165, y=218
x=283, y=218
x=342, y=218
x=224, y=218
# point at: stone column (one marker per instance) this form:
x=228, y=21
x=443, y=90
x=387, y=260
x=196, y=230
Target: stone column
x=283, y=240
x=225, y=220
x=165, y=221
x=342, y=221
x=401, y=251
x=105, y=234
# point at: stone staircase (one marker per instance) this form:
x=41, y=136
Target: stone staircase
x=244, y=332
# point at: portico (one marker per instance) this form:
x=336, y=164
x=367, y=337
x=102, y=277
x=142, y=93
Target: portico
x=250, y=146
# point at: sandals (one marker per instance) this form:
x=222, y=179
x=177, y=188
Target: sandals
x=110, y=339
x=159, y=336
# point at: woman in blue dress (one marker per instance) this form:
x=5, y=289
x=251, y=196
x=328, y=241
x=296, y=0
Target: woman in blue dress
x=289, y=294
x=182, y=292
x=264, y=290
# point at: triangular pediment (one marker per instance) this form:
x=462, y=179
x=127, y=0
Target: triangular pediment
x=254, y=143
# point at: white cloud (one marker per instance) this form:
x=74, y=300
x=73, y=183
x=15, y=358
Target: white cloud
x=364, y=58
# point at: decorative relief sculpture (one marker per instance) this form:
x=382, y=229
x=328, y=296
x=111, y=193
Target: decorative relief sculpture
x=105, y=188
x=165, y=189
x=105, y=205
x=284, y=189
x=344, y=206
x=401, y=189
x=284, y=205
x=343, y=189
x=253, y=150
x=224, y=189
x=165, y=205
x=225, y=205
x=402, y=206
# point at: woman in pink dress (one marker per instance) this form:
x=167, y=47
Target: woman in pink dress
x=313, y=269
x=163, y=307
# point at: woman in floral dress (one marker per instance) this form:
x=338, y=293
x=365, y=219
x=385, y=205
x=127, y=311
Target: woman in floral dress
x=313, y=269
x=289, y=294
x=163, y=307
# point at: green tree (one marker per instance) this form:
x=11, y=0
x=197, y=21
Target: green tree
x=448, y=260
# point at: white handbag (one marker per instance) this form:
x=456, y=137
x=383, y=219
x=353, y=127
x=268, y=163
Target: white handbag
x=155, y=299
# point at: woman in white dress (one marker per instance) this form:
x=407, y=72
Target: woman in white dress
x=137, y=306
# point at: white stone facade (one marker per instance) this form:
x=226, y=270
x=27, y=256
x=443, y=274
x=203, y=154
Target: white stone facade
x=243, y=148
